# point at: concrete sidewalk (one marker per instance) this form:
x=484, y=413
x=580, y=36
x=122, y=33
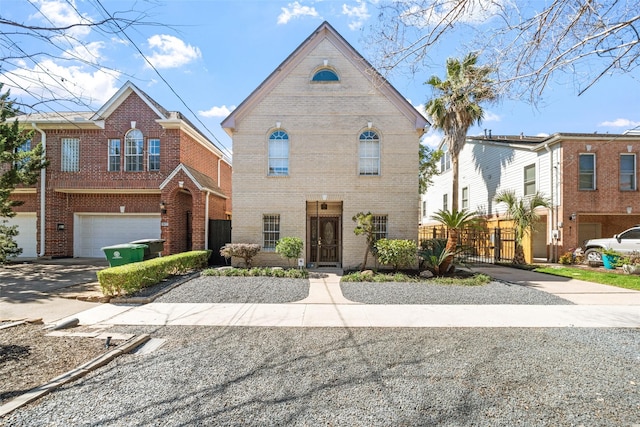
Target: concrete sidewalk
x=597, y=306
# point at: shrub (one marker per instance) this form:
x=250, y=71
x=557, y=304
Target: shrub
x=289, y=248
x=130, y=278
x=246, y=251
x=398, y=253
x=566, y=259
x=434, y=255
x=292, y=273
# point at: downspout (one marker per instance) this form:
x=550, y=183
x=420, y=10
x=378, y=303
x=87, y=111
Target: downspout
x=219, y=161
x=552, y=171
x=206, y=222
x=43, y=176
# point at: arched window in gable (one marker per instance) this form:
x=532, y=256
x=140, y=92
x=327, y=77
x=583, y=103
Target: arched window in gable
x=325, y=75
x=279, y=153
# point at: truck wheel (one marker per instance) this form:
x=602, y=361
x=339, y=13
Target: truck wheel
x=593, y=255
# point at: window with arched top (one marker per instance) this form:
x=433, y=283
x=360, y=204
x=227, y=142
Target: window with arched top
x=279, y=153
x=369, y=153
x=134, y=151
x=325, y=75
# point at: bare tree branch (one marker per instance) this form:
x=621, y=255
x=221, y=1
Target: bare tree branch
x=529, y=43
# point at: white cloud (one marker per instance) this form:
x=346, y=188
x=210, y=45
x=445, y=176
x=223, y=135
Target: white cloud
x=223, y=111
x=49, y=81
x=431, y=139
x=359, y=13
x=62, y=13
x=620, y=123
x=295, y=10
x=89, y=52
x=491, y=117
x=171, y=52
x=472, y=12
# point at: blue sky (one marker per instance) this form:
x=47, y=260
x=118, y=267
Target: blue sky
x=213, y=54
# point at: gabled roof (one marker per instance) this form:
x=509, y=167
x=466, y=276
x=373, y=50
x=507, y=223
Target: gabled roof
x=203, y=182
x=325, y=31
x=96, y=120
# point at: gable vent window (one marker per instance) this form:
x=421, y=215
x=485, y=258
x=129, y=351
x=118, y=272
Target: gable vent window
x=325, y=75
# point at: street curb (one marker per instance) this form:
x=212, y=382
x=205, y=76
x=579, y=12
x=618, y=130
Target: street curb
x=74, y=374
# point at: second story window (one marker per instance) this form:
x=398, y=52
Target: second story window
x=325, y=75
x=587, y=172
x=627, y=172
x=154, y=154
x=70, y=155
x=279, y=153
x=529, y=180
x=465, y=198
x=369, y=153
x=22, y=148
x=445, y=161
x=114, y=155
x=445, y=202
x=134, y=151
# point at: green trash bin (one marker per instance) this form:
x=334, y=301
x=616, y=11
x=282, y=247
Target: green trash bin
x=125, y=253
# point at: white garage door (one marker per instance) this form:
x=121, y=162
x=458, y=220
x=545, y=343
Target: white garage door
x=27, y=238
x=93, y=232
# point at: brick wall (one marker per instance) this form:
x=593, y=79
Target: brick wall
x=324, y=122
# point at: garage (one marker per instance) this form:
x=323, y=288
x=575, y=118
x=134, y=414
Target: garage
x=95, y=231
x=27, y=239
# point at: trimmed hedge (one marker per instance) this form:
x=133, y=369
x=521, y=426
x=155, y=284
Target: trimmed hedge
x=291, y=273
x=130, y=278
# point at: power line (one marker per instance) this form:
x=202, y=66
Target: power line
x=228, y=152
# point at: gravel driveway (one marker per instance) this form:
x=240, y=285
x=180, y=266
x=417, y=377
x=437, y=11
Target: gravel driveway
x=266, y=376
x=373, y=377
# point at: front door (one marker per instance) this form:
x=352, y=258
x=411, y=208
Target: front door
x=325, y=245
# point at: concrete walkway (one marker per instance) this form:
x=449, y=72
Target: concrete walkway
x=597, y=306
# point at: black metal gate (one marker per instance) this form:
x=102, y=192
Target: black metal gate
x=486, y=245
x=219, y=235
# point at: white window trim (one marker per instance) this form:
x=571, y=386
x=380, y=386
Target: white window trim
x=594, y=186
x=634, y=184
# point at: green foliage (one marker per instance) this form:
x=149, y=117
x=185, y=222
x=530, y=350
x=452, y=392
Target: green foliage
x=396, y=252
x=365, y=227
x=246, y=251
x=8, y=246
x=434, y=255
x=291, y=273
x=130, y=278
x=17, y=166
x=455, y=105
x=589, y=275
x=475, y=280
x=289, y=247
x=429, y=159
x=566, y=258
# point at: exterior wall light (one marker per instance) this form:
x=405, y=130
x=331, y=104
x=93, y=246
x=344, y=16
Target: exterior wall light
x=629, y=209
x=163, y=207
x=60, y=227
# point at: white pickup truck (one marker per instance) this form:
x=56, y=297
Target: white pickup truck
x=626, y=242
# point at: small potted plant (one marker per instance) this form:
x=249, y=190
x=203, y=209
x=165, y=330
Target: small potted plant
x=610, y=258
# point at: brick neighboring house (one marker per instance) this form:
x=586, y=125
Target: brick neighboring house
x=131, y=170
x=591, y=180
x=323, y=138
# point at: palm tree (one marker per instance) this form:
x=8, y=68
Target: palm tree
x=457, y=106
x=455, y=221
x=523, y=213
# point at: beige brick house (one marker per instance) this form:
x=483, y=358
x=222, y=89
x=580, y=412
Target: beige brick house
x=323, y=138
x=130, y=170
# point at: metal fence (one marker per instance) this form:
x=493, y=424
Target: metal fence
x=488, y=245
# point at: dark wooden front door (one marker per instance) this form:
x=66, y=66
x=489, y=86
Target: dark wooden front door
x=325, y=245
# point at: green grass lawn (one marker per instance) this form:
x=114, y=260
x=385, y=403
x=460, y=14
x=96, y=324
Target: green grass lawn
x=614, y=279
